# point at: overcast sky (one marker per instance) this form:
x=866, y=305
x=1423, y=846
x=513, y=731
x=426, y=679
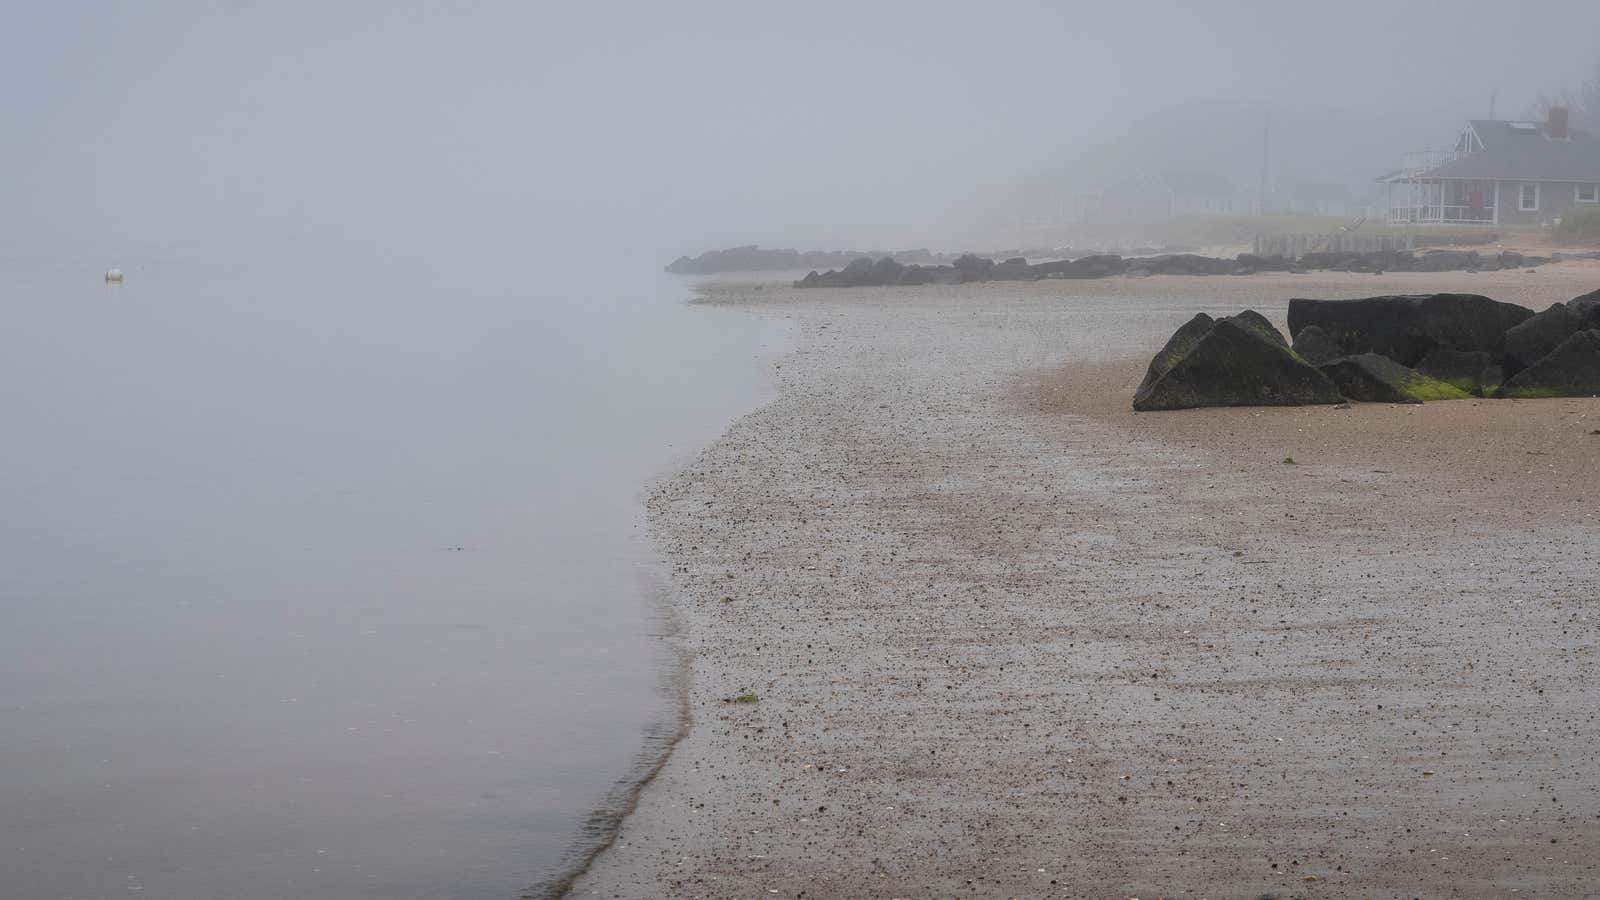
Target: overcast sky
x=207, y=127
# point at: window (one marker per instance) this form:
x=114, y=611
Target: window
x=1587, y=193
x=1528, y=199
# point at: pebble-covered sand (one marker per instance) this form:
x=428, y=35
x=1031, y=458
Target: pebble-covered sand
x=959, y=624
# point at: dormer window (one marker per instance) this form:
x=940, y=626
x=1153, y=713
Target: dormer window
x=1588, y=193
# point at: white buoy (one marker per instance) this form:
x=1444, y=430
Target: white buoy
x=113, y=275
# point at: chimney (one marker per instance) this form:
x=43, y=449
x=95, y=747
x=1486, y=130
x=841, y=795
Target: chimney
x=1558, y=123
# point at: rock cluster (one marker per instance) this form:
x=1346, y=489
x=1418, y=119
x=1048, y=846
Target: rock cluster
x=1235, y=361
x=1396, y=349
x=864, y=272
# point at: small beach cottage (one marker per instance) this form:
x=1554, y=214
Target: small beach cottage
x=1500, y=173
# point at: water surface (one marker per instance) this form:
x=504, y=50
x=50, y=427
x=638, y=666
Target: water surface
x=330, y=581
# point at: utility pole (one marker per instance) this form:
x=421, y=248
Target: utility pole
x=1261, y=200
x=1492, y=92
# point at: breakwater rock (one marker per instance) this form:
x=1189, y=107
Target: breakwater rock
x=1393, y=349
x=887, y=271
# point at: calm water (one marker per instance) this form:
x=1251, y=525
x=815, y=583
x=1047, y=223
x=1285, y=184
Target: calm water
x=324, y=582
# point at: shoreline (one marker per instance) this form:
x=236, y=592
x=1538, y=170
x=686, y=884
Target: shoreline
x=600, y=827
x=819, y=515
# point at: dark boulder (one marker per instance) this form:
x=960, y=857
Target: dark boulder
x=1462, y=369
x=1570, y=370
x=1316, y=346
x=1256, y=263
x=1237, y=361
x=1588, y=308
x=1101, y=265
x=1013, y=269
x=1185, y=264
x=1379, y=379
x=1177, y=347
x=1252, y=319
x=886, y=271
x=1449, y=261
x=861, y=272
x=1405, y=328
x=858, y=272
x=1489, y=380
x=1532, y=340
x=974, y=266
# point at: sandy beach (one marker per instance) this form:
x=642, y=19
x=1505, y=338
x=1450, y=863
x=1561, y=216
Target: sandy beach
x=958, y=623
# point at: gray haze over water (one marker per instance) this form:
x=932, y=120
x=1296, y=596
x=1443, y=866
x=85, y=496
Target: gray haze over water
x=668, y=128
x=320, y=556
x=332, y=583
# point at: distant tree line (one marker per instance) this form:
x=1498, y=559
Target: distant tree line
x=1583, y=104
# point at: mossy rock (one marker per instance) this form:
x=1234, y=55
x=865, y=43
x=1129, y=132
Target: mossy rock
x=1405, y=327
x=1461, y=369
x=1177, y=347
x=1489, y=381
x=1237, y=361
x=1588, y=309
x=1258, y=323
x=1379, y=379
x=1533, y=340
x=1317, y=346
x=1570, y=370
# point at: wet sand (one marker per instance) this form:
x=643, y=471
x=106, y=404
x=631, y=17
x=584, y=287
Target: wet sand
x=998, y=636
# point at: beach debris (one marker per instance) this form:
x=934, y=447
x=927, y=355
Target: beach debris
x=1235, y=361
x=1289, y=461
x=743, y=698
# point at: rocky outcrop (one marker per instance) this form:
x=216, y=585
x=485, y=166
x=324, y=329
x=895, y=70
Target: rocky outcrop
x=1534, y=338
x=885, y=272
x=1316, y=346
x=1587, y=308
x=1572, y=369
x=1177, y=347
x=1398, y=349
x=1237, y=361
x=1405, y=328
x=1379, y=379
x=1472, y=371
x=975, y=267
x=1100, y=265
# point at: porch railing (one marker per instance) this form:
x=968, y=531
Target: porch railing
x=1433, y=213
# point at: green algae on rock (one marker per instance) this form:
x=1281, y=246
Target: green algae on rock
x=1472, y=371
x=1236, y=361
x=1379, y=379
x=1572, y=369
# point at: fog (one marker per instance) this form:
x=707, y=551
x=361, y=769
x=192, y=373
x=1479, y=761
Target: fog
x=181, y=129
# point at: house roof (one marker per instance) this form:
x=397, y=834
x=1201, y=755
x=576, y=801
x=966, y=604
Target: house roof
x=1518, y=151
